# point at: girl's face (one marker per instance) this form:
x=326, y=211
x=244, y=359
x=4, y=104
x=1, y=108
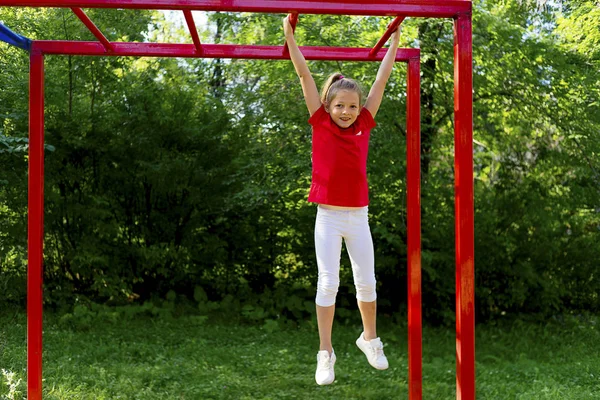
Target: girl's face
x=344, y=108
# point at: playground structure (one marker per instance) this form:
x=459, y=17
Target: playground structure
x=458, y=10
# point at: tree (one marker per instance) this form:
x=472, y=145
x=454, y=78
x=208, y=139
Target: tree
x=178, y=174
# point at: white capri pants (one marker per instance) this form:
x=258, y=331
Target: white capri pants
x=353, y=226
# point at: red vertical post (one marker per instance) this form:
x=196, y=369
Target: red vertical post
x=463, y=192
x=35, y=239
x=413, y=183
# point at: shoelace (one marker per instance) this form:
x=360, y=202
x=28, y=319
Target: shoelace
x=377, y=350
x=325, y=363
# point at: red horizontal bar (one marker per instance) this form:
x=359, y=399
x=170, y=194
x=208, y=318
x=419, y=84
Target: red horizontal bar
x=408, y=8
x=92, y=27
x=214, y=51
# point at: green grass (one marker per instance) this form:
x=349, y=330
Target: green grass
x=186, y=358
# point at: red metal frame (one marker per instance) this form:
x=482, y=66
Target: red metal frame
x=463, y=194
x=214, y=51
x=391, y=28
x=413, y=206
x=408, y=8
x=35, y=214
x=459, y=10
x=93, y=28
x=189, y=19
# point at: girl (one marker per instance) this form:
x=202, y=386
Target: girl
x=340, y=139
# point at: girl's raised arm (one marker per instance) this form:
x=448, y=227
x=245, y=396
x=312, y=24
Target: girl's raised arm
x=385, y=69
x=309, y=88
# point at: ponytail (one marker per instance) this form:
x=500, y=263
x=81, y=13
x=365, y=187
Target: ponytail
x=337, y=82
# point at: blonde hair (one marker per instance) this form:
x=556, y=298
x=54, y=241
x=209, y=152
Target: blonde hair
x=337, y=82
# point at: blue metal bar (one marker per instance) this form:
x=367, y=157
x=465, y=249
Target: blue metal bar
x=8, y=36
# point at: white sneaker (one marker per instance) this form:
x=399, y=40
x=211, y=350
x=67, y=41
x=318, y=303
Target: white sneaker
x=373, y=349
x=325, y=374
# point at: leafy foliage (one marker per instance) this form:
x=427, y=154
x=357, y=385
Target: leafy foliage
x=188, y=178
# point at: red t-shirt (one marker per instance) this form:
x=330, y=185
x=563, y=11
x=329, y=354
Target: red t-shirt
x=339, y=160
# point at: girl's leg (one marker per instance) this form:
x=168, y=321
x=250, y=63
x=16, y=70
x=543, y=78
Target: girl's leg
x=368, y=312
x=328, y=247
x=325, y=323
x=360, y=249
